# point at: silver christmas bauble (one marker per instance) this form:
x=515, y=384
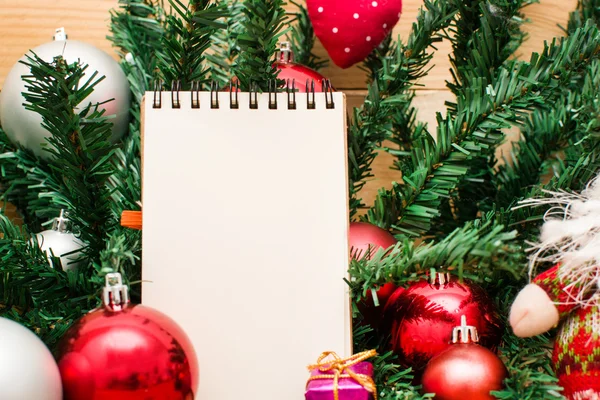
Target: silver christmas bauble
x=60, y=242
x=24, y=127
x=27, y=369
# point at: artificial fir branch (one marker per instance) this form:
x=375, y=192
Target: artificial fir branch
x=587, y=10
x=481, y=112
x=224, y=48
x=389, y=97
x=137, y=29
x=45, y=299
x=190, y=28
x=263, y=25
x=302, y=39
x=483, y=36
x=80, y=151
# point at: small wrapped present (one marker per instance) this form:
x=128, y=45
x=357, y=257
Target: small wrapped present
x=335, y=378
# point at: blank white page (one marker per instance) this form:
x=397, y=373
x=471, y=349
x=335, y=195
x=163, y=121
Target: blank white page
x=245, y=240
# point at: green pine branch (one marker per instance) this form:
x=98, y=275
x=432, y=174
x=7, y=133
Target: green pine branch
x=482, y=111
x=79, y=146
x=224, y=46
x=137, y=30
x=389, y=97
x=587, y=10
x=302, y=39
x=189, y=31
x=44, y=299
x=263, y=25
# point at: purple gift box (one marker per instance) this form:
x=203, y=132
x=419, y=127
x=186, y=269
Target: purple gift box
x=348, y=388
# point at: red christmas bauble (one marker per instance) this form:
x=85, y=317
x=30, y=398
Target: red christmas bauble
x=127, y=353
x=364, y=241
x=298, y=74
x=465, y=370
x=420, y=319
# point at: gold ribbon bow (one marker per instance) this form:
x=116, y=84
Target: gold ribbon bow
x=338, y=368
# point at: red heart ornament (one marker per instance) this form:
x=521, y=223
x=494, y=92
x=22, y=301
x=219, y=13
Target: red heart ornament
x=351, y=29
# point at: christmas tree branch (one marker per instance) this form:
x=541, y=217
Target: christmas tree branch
x=263, y=24
x=189, y=31
x=587, y=10
x=79, y=147
x=224, y=47
x=482, y=111
x=302, y=39
x=44, y=299
x=389, y=97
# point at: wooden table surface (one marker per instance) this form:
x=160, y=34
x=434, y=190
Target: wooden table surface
x=27, y=24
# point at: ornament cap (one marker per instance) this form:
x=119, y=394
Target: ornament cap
x=285, y=54
x=60, y=34
x=464, y=333
x=116, y=295
x=439, y=278
x=61, y=223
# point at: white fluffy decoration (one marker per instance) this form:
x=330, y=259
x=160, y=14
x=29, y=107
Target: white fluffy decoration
x=570, y=237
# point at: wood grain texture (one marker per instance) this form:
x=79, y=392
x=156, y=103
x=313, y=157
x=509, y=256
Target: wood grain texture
x=27, y=24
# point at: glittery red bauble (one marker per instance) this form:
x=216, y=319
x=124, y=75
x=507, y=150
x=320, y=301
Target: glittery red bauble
x=464, y=371
x=134, y=354
x=350, y=29
x=364, y=241
x=420, y=319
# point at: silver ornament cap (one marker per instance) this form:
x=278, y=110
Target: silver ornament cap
x=60, y=34
x=285, y=55
x=116, y=294
x=464, y=333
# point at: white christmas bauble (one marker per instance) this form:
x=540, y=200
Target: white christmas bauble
x=62, y=244
x=27, y=369
x=24, y=127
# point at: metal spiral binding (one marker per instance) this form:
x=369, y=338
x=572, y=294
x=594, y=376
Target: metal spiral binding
x=273, y=89
x=233, y=95
x=253, y=96
x=310, y=95
x=195, y=94
x=175, y=88
x=157, y=102
x=272, y=94
x=328, y=89
x=214, y=94
x=291, y=94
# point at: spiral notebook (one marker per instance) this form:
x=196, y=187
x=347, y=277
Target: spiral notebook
x=245, y=216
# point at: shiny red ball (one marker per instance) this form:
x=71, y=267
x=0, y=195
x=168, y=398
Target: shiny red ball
x=134, y=354
x=464, y=371
x=364, y=241
x=420, y=319
x=300, y=73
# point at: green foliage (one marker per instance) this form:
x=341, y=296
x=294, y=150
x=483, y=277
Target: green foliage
x=388, y=103
x=302, y=39
x=224, y=47
x=189, y=28
x=263, y=24
x=587, y=10
x=474, y=124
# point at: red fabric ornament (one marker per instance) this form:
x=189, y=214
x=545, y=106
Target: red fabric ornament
x=420, y=319
x=126, y=352
x=351, y=29
x=364, y=241
x=289, y=71
x=465, y=370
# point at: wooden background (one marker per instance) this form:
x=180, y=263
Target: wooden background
x=26, y=24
